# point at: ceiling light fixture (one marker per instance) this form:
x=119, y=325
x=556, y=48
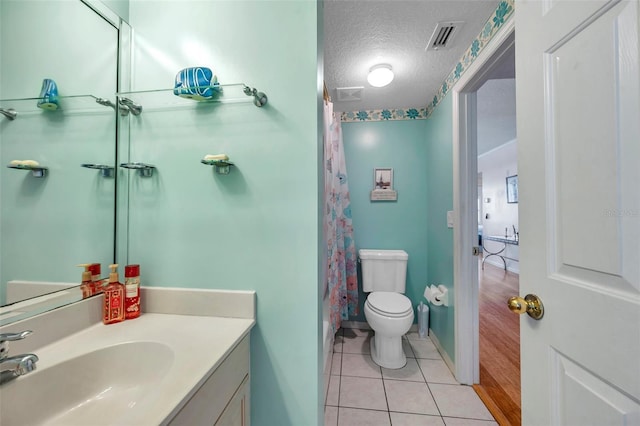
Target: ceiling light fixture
x=380, y=75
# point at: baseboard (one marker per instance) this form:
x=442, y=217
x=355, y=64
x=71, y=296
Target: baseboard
x=500, y=265
x=443, y=353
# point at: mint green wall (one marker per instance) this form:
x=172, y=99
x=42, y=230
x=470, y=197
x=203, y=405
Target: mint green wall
x=400, y=224
x=439, y=138
x=421, y=154
x=50, y=225
x=256, y=228
x=121, y=7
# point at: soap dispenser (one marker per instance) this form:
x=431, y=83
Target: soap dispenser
x=87, y=285
x=98, y=282
x=113, y=302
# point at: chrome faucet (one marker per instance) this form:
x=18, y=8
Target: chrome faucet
x=14, y=366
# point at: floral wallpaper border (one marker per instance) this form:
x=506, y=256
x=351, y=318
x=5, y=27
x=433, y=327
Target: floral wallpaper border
x=385, y=114
x=494, y=23
x=501, y=15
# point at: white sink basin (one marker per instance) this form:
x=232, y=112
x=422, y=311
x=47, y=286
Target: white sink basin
x=139, y=372
x=96, y=388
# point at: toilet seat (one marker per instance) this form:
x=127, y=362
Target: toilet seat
x=389, y=304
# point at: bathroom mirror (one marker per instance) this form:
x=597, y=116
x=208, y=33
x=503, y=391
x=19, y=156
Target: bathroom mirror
x=61, y=212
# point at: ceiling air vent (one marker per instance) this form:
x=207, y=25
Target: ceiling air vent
x=443, y=35
x=346, y=94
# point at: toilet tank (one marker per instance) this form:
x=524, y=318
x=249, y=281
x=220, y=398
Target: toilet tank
x=383, y=270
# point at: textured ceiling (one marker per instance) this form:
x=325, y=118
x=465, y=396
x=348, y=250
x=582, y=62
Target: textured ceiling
x=361, y=33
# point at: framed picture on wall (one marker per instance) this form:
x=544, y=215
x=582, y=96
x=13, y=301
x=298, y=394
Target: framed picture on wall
x=383, y=185
x=512, y=189
x=383, y=179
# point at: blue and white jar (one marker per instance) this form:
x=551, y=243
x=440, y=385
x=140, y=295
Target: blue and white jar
x=197, y=83
x=48, y=95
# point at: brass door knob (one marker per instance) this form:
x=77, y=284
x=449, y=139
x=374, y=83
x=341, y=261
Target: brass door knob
x=531, y=304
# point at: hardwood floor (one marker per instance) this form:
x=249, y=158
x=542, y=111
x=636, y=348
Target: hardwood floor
x=499, y=384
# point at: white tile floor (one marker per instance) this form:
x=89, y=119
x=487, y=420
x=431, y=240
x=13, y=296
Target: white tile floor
x=422, y=393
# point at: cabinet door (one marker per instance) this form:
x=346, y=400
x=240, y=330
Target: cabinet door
x=236, y=413
x=214, y=397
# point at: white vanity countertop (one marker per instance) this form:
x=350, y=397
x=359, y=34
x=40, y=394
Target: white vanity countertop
x=136, y=372
x=197, y=346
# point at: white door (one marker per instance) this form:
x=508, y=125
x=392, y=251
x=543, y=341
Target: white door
x=578, y=101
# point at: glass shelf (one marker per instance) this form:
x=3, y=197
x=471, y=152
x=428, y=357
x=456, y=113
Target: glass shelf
x=36, y=171
x=165, y=98
x=72, y=103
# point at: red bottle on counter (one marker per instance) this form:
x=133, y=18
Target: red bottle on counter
x=113, y=302
x=132, y=291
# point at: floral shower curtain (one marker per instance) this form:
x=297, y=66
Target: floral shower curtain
x=342, y=281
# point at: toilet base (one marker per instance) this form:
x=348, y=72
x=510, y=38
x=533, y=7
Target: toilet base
x=387, y=352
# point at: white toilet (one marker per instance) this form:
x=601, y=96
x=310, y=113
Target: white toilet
x=387, y=310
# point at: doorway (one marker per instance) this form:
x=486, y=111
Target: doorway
x=498, y=268
x=467, y=266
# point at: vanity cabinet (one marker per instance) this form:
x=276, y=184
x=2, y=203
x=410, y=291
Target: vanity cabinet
x=237, y=411
x=223, y=399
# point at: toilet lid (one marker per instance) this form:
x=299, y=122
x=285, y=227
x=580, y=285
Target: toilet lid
x=389, y=304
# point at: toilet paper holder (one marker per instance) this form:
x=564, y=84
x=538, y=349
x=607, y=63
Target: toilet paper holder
x=437, y=295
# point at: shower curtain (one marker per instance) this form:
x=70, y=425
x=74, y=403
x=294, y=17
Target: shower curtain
x=342, y=280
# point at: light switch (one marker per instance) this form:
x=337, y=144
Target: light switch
x=450, y=219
